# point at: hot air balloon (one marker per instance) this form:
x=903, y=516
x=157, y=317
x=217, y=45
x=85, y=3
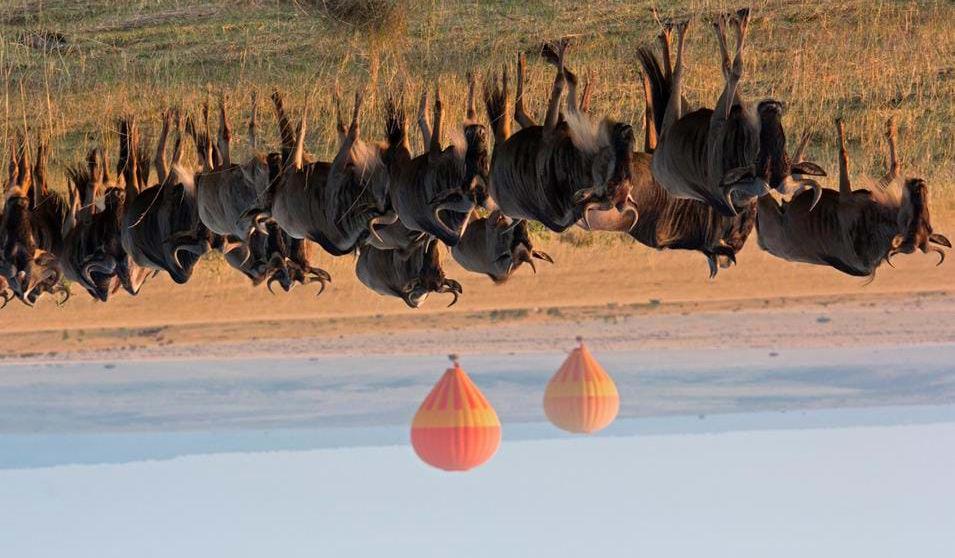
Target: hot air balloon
x=455, y=428
x=581, y=397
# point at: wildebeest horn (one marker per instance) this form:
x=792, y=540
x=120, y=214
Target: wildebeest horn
x=630, y=209
x=937, y=238
x=816, y=192
x=107, y=266
x=389, y=218
x=729, y=202
x=319, y=275
x=941, y=254
x=453, y=287
x=542, y=256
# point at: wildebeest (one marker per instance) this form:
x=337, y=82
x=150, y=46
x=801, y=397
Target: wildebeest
x=228, y=194
x=232, y=203
x=410, y=275
x=335, y=204
x=436, y=192
x=556, y=172
x=159, y=221
x=853, y=231
x=93, y=254
x=497, y=245
x=729, y=155
x=34, y=223
x=667, y=222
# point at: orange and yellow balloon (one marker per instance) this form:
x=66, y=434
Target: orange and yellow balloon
x=581, y=397
x=455, y=428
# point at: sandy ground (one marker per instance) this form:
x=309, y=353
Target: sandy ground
x=620, y=295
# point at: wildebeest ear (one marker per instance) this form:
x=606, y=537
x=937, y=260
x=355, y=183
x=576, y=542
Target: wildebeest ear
x=939, y=239
x=808, y=168
x=601, y=170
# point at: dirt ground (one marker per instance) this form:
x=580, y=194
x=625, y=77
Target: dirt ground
x=618, y=292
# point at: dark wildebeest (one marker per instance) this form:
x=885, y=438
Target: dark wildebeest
x=229, y=195
x=232, y=202
x=337, y=204
x=436, y=192
x=158, y=220
x=497, y=245
x=557, y=172
x=852, y=231
x=410, y=275
x=93, y=254
x=35, y=220
x=726, y=156
x=667, y=222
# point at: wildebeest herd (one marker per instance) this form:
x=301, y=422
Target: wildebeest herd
x=703, y=180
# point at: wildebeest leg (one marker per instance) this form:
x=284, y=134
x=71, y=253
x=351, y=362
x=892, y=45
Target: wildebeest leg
x=424, y=121
x=893, y=166
x=253, y=121
x=649, y=127
x=845, y=187
x=520, y=112
x=178, y=147
x=553, y=105
x=208, y=159
x=39, y=171
x=339, y=117
x=127, y=164
x=719, y=177
x=674, y=110
x=225, y=133
x=470, y=113
x=160, y=161
x=588, y=93
x=285, y=127
x=434, y=149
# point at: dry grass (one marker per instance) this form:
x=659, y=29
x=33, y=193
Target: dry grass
x=863, y=59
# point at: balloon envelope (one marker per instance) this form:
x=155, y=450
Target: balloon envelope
x=581, y=397
x=455, y=428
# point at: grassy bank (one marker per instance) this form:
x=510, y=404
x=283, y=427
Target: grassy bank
x=71, y=67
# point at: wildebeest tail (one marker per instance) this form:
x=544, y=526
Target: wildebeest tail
x=143, y=163
x=659, y=85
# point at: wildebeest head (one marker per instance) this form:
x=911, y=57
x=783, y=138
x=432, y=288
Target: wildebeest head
x=430, y=278
x=436, y=192
x=774, y=168
x=611, y=170
x=410, y=275
x=915, y=225
x=496, y=246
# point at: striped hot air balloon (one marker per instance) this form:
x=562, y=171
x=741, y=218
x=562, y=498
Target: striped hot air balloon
x=455, y=428
x=581, y=397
